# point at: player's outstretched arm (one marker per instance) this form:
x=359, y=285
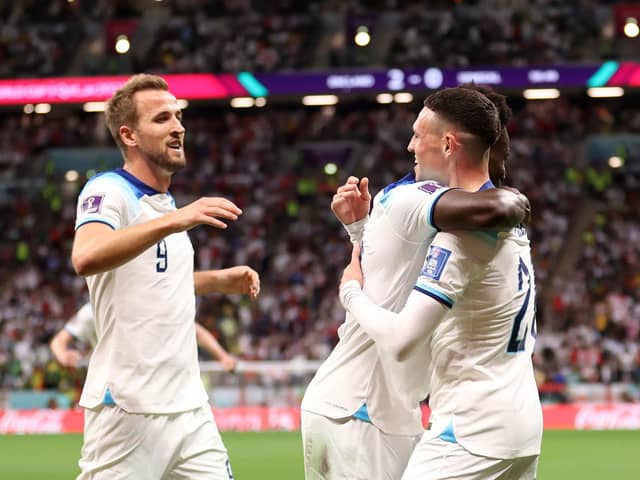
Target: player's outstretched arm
x=60, y=348
x=488, y=209
x=397, y=333
x=98, y=248
x=211, y=345
x=240, y=279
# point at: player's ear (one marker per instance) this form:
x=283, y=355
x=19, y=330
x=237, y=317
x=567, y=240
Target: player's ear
x=127, y=135
x=448, y=144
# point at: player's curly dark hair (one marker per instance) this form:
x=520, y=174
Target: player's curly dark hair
x=499, y=100
x=500, y=150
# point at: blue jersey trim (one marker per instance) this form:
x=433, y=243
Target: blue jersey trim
x=435, y=294
x=406, y=180
x=448, y=434
x=94, y=220
x=108, y=398
x=139, y=186
x=362, y=414
x=487, y=185
x=432, y=211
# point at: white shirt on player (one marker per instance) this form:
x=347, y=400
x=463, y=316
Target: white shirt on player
x=145, y=359
x=475, y=301
x=82, y=325
x=357, y=373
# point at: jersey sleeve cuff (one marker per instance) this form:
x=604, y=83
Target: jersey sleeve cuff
x=435, y=294
x=356, y=229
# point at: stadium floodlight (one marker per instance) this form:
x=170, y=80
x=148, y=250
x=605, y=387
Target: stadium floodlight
x=616, y=161
x=316, y=100
x=42, y=108
x=403, y=97
x=384, y=98
x=261, y=102
x=182, y=103
x=605, y=92
x=122, y=44
x=362, y=37
x=541, y=93
x=93, y=107
x=631, y=28
x=28, y=108
x=330, y=168
x=71, y=176
x=242, y=102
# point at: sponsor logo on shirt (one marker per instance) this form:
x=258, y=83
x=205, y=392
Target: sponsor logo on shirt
x=92, y=204
x=436, y=260
x=430, y=187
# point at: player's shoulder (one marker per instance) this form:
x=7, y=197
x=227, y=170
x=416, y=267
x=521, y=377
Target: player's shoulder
x=416, y=190
x=109, y=181
x=116, y=183
x=479, y=245
x=430, y=187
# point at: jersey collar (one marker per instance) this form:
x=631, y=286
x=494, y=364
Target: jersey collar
x=139, y=184
x=489, y=184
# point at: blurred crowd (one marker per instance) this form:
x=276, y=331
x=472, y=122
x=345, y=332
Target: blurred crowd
x=250, y=35
x=272, y=166
x=585, y=226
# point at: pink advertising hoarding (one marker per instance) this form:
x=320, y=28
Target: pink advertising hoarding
x=90, y=89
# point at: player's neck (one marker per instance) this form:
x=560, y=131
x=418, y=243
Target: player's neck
x=470, y=179
x=148, y=173
x=469, y=173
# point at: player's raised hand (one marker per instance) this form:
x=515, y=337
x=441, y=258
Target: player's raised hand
x=205, y=211
x=352, y=200
x=353, y=271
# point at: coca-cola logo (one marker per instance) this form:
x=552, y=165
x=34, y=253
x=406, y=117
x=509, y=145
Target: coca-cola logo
x=31, y=421
x=614, y=417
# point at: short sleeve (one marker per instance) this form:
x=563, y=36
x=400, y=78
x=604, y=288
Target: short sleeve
x=82, y=325
x=105, y=199
x=411, y=207
x=452, y=263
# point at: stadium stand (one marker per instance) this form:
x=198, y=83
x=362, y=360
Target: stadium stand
x=585, y=216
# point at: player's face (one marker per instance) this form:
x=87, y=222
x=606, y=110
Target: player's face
x=426, y=146
x=159, y=133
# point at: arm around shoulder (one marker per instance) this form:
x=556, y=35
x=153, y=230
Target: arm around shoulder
x=488, y=209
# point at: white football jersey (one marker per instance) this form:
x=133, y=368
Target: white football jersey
x=82, y=325
x=482, y=379
x=395, y=243
x=145, y=359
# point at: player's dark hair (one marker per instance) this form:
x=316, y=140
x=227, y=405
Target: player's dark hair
x=499, y=100
x=500, y=149
x=121, y=109
x=468, y=110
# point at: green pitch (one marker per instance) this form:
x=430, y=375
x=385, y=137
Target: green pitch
x=566, y=455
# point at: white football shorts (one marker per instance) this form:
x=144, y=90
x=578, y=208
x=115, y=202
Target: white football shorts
x=120, y=445
x=437, y=459
x=341, y=449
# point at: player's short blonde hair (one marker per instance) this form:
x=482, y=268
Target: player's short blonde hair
x=121, y=109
